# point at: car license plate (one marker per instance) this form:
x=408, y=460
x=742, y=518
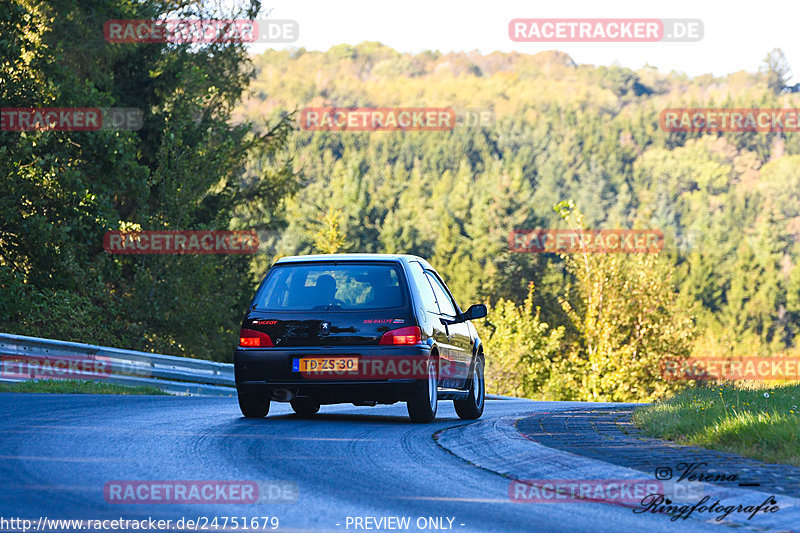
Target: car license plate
x=324, y=364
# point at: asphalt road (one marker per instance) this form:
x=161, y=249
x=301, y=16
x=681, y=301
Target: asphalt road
x=58, y=452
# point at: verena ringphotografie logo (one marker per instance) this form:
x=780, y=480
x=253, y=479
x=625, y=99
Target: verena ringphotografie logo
x=660, y=504
x=70, y=119
x=365, y=367
x=695, y=472
x=65, y=366
x=566, y=241
x=199, y=491
x=719, y=120
x=181, y=242
x=604, y=30
x=626, y=491
x=729, y=369
x=201, y=31
x=377, y=119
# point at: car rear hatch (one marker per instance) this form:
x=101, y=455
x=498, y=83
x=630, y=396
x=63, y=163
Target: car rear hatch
x=327, y=309
x=335, y=328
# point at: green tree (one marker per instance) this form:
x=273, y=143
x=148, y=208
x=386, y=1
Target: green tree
x=777, y=70
x=183, y=170
x=329, y=239
x=628, y=320
x=520, y=348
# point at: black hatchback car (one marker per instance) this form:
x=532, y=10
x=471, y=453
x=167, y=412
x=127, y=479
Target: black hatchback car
x=362, y=329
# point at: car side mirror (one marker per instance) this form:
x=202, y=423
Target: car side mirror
x=474, y=312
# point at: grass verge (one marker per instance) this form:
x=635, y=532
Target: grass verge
x=761, y=423
x=70, y=386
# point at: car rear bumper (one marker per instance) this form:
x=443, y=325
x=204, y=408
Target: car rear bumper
x=270, y=370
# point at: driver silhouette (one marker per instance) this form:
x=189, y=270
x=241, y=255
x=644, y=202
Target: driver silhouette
x=326, y=289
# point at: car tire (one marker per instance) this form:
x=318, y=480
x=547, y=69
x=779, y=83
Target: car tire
x=423, y=403
x=253, y=403
x=471, y=407
x=305, y=406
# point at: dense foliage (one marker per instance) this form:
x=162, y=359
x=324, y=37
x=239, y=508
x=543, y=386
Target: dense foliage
x=727, y=282
x=184, y=169
x=595, y=327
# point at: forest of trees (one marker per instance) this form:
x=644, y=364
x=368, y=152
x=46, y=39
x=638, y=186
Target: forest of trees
x=569, y=145
x=60, y=191
x=728, y=204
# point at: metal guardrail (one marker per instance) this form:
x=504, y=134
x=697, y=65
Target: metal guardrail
x=177, y=375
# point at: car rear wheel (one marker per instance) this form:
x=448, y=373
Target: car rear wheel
x=423, y=403
x=253, y=403
x=305, y=406
x=471, y=407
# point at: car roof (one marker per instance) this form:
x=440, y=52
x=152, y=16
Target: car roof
x=352, y=257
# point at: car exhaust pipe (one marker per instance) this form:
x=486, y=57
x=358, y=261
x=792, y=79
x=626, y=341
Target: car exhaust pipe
x=283, y=395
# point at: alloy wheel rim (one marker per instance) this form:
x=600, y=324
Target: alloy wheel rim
x=477, y=387
x=432, y=389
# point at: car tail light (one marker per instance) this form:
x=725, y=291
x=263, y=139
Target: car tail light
x=407, y=335
x=254, y=339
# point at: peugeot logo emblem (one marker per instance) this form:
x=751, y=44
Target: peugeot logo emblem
x=324, y=328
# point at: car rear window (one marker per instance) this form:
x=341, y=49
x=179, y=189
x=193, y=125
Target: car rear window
x=329, y=286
